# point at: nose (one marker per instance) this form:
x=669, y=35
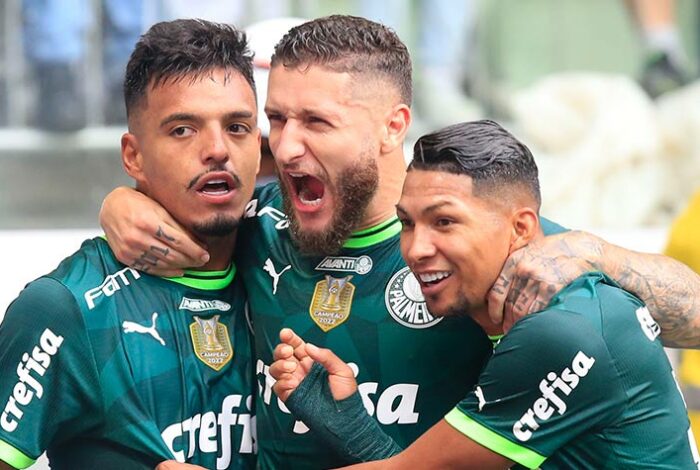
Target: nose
x=417, y=245
x=215, y=148
x=286, y=142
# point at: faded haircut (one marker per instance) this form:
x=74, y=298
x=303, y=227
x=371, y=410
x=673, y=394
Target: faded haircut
x=348, y=44
x=191, y=48
x=483, y=150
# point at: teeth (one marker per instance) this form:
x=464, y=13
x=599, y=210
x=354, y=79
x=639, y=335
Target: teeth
x=297, y=175
x=432, y=277
x=308, y=202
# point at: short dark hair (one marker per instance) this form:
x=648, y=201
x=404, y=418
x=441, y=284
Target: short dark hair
x=349, y=44
x=172, y=50
x=483, y=150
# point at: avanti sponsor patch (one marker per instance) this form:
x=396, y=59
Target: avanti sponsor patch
x=360, y=264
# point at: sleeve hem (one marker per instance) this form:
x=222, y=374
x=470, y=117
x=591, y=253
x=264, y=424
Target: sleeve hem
x=13, y=456
x=493, y=441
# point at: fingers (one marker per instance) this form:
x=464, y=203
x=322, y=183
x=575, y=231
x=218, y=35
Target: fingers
x=499, y=292
x=285, y=385
x=327, y=358
x=143, y=235
x=288, y=336
x=340, y=376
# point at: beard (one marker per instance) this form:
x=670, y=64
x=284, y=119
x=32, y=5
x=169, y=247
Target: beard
x=219, y=226
x=460, y=308
x=355, y=188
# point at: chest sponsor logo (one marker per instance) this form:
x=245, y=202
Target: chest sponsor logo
x=213, y=432
x=211, y=342
x=405, y=302
x=280, y=218
x=112, y=284
x=132, y=327
x=330, y=305
x=199, y=305
x=395, y=404
x=269, y=268
x=649, y=326
x=360, y=265
x=29, y=371
x=544, y=407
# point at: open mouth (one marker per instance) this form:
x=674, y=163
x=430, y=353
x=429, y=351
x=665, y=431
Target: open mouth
x=216, y=184
x=309, y=189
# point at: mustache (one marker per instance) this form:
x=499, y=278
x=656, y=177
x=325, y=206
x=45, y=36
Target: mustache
x=217, y=168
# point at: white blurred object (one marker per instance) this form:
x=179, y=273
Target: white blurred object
x=679, y=121
x=596, y=140
x=262, y=38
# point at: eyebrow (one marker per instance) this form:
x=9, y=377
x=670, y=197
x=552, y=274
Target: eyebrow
x=429, y=209
x=194, y=117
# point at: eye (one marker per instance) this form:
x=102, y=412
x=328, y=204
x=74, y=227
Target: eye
x=182, y=131
x=443, y=222
x=315, y=120
x=238, y=128
x=275, y=117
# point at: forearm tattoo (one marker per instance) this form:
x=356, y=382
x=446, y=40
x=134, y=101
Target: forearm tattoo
x=671, y=291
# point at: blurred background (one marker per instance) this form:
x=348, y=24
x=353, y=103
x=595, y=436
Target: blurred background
x=603, y=91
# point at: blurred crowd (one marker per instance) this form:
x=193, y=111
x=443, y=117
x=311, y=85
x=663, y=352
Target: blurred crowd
x=615, y=132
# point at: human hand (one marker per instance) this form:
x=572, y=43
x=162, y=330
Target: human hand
x=144, y=236
x=294, y=359
x=533, y=274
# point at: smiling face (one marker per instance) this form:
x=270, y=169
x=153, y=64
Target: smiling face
x=454, y=242
x=325, y=135
x=194, y=147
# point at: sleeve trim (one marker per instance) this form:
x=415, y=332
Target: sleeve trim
x=13, y=456
x=493, y=441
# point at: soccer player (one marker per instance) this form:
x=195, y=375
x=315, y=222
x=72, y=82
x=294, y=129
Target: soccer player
x=103, y=366
x=584, y=383
x=319, y=251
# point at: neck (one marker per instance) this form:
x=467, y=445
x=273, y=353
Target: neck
x=392, y=172
x=481, y=316
x=220, y=252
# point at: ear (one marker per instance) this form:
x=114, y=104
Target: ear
x=396, y=126
x=525, y=226
x=132, y=160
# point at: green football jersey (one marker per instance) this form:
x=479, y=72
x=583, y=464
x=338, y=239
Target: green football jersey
x=105, y=367
x=583, y=384
x=367, y=307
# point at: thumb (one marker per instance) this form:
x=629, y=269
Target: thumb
x=327, y=358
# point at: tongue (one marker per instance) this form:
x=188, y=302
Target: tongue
x=312, y=189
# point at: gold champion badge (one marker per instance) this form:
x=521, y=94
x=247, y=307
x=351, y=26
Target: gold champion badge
x=211, y=342
x=331, y=302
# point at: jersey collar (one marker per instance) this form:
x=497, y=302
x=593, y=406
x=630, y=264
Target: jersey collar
x=373, y=235
x=206, y=280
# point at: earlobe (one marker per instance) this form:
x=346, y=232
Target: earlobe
x=525, y=226
x=396, y=126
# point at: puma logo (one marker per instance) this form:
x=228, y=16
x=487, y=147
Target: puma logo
x=270, y=268
x=131, y=327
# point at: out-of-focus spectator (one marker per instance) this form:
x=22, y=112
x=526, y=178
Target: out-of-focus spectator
x=442, y=47
x=55, y=33
x=665, y=66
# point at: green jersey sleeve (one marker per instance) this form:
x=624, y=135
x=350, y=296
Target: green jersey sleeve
x=48, y=383
x=550, y=379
